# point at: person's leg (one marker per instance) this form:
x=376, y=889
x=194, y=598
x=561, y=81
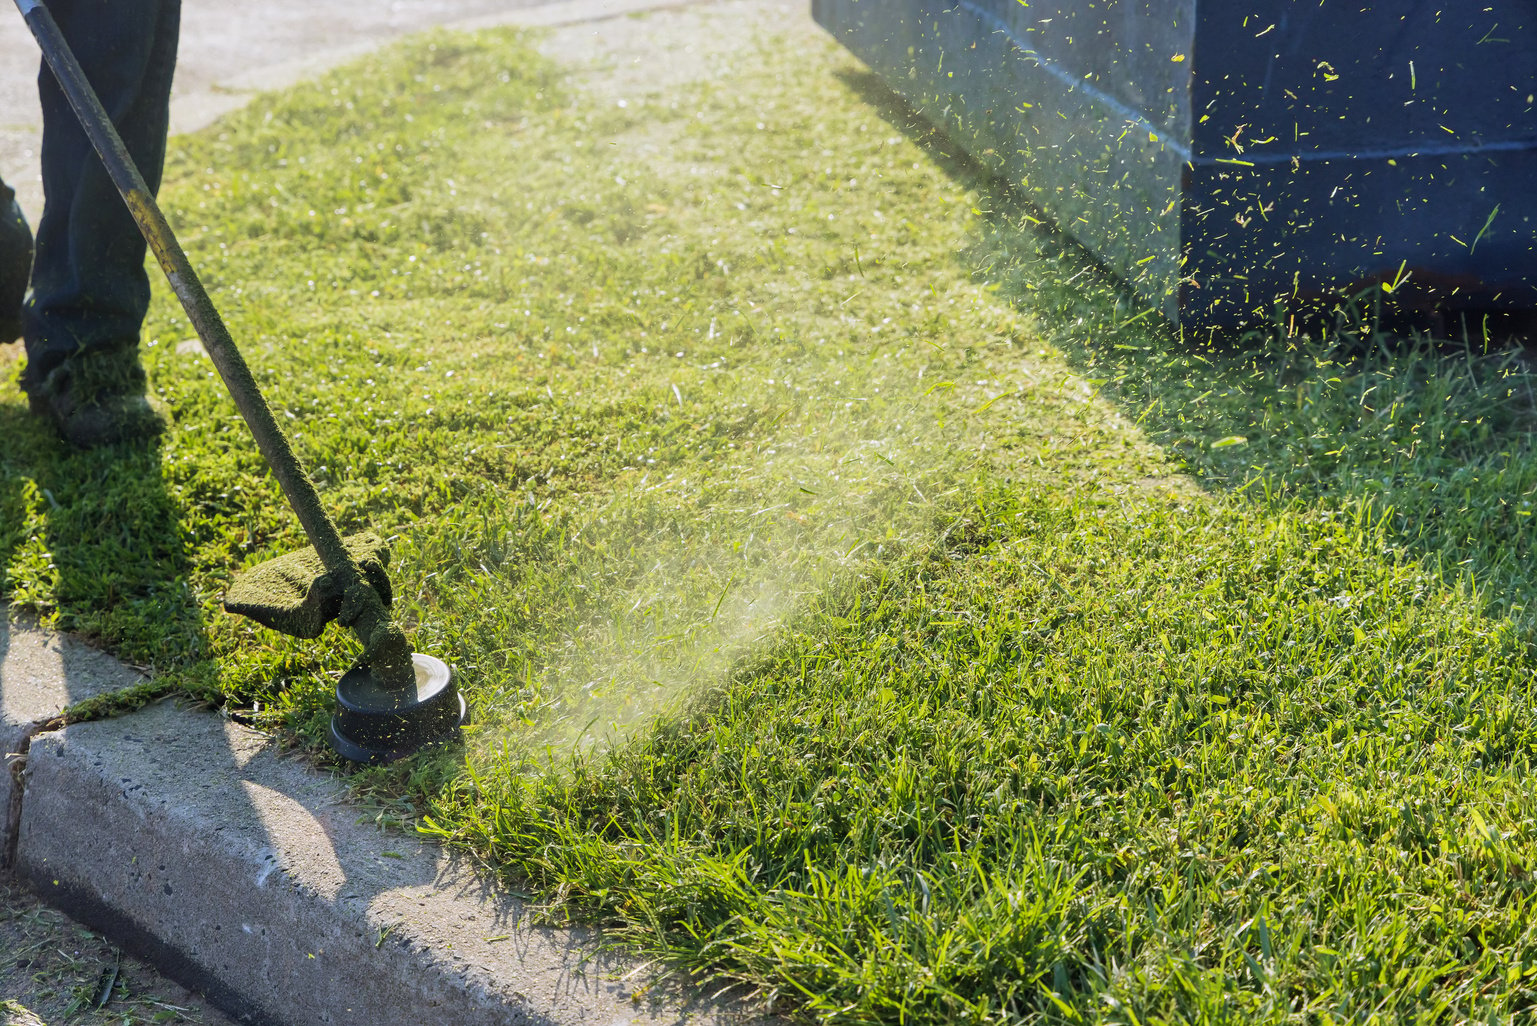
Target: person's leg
x=15, y=263
x=89, y=288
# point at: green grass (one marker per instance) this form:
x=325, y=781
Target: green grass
x=851, y=601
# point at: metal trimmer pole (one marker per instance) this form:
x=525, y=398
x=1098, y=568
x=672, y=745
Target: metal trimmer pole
x=371, y=621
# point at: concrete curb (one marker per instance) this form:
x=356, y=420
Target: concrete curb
x=40, y=675
x=250, y=877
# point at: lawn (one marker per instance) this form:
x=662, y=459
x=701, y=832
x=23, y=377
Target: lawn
x=856, y=597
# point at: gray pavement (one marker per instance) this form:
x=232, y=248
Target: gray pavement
x=223, y=42
x=230, y=50
x=194, y=841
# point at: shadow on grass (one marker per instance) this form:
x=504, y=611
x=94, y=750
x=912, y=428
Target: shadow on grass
x=1433, y=436
x=92, y=542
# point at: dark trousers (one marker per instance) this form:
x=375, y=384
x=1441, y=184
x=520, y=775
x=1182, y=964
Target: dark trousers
x=89, y=286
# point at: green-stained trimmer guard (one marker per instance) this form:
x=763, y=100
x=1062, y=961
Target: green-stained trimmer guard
x=294, y=595
x=374, y=721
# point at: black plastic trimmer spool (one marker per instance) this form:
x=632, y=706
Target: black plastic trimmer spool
x=394, y=701
x=373, y=724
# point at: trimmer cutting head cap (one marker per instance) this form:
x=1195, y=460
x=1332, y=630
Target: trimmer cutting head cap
x=386, y=708
x=375, y=723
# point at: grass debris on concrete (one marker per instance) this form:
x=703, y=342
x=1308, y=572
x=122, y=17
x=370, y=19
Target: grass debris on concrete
x=856, y=597
x=55, y=971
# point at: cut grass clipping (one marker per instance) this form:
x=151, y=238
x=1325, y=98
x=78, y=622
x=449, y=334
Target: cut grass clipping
x=53, y=970
x=813, y=548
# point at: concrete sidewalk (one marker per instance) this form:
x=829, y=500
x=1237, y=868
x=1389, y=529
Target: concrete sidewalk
x=193, y=840
x=231, y=50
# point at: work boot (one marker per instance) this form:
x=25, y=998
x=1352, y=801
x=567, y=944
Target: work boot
x=97, y=397
x=15, y=264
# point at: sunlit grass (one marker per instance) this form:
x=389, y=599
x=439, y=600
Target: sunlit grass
x=810, y=540
x=1436, y=436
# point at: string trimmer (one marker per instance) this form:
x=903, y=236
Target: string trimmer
x=394, y=700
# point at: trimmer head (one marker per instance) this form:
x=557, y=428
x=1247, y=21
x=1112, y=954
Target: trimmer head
x=382, y=713
x=374, y=723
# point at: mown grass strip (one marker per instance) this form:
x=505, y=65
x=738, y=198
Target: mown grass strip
x=812, y=546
